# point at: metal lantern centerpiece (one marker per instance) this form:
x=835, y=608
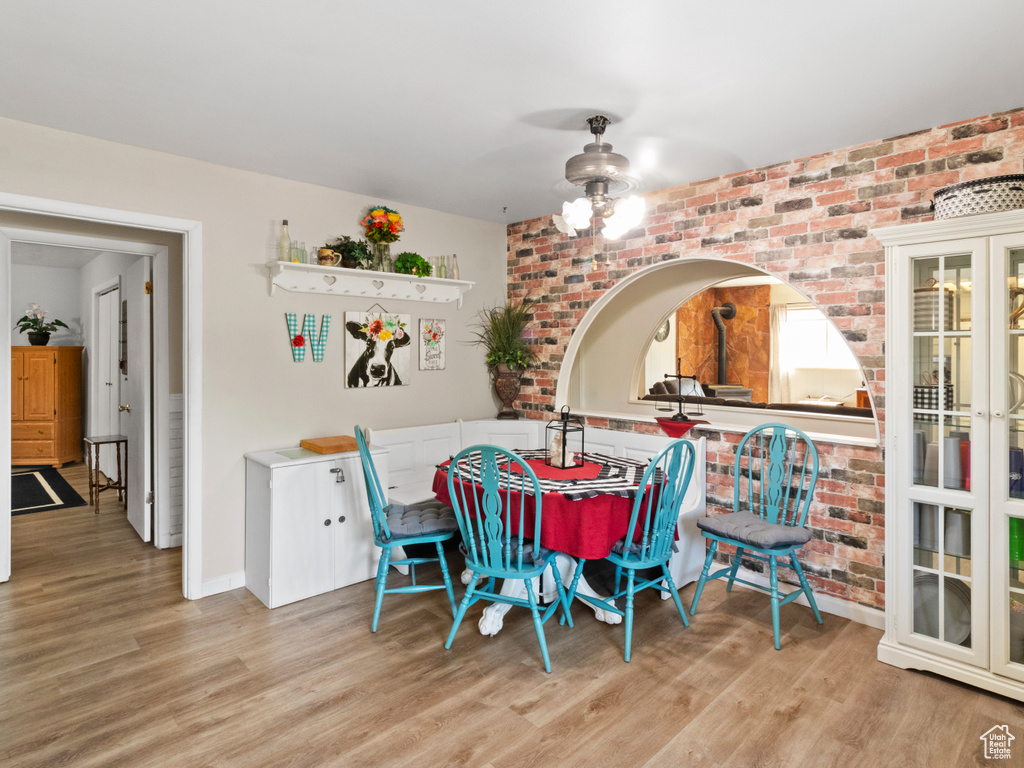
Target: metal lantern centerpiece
x=556, y=437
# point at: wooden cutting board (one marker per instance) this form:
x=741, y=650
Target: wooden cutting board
x=339, y=444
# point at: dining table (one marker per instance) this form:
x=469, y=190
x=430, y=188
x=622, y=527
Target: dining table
x=585, y=511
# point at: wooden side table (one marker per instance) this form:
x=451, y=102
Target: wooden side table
x=92, y=462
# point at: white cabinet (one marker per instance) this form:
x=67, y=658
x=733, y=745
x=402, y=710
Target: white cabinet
x=955, y=449
x=307, y=523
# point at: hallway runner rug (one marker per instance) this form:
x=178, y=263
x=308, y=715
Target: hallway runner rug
x=38, y=489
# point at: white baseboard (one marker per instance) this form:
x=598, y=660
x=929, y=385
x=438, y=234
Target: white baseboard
x=223, y=583
x=834, y=606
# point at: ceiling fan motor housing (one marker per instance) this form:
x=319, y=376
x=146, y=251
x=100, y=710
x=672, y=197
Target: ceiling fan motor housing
x=597, y=162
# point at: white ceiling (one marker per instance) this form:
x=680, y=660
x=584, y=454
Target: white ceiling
x=473, y=107
x=45, y=255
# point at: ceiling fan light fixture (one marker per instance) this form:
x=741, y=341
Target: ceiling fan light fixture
x=597, y=169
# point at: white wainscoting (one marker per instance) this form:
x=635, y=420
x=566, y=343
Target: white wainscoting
x=173, y=537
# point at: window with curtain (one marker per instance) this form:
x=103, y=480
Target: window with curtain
x=808, y=340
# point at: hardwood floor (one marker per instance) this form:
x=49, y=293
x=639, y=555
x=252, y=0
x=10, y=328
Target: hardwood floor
x=103, y=663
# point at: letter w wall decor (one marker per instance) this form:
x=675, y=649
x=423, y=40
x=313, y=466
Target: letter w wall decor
x=308, y=337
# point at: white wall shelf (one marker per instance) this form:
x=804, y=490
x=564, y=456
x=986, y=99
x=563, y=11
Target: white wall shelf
x=312, y=278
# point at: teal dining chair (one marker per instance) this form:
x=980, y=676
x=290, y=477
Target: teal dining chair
x=493, y=491
x=650, y=537
x=775, y=471
x=400, y=525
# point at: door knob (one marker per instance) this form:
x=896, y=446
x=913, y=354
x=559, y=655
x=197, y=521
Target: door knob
x=124, y=408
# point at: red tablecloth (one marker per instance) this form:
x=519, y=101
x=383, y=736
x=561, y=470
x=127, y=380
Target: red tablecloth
x=586, y=528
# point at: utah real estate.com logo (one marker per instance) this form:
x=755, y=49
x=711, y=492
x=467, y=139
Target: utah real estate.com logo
x=997, y=742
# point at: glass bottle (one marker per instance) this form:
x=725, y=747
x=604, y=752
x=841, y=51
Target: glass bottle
x=442, y=269
x=284, y=243
x=455, y=266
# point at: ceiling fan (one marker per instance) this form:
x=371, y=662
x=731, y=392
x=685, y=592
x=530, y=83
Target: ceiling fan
x=599, y=170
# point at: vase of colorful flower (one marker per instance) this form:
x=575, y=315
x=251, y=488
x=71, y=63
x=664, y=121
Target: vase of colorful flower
x=383, y=226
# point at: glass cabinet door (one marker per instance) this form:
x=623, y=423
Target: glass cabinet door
x=1007, y=512
x=947, y=333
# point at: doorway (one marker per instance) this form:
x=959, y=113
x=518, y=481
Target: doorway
x=103, y=288
x=68, y=216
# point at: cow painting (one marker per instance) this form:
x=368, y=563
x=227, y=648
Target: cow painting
x=378, y=352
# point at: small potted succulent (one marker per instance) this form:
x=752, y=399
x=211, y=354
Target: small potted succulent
x=34, y=323
x=412, y=264
x=351, y=254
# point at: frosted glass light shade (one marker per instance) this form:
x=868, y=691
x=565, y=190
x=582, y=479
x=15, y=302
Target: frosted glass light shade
x=628, y=213
x=577, y=213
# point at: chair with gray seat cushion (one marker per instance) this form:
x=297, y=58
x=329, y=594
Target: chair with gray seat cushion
x=775, y=472
x=401, y=525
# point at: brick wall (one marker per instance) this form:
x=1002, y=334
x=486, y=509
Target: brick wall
x=807, y=222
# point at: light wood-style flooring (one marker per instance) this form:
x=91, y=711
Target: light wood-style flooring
x=103, y=663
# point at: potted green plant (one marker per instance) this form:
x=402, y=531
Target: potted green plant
x=501, y=332
x=412, y=264
x=351, y=253
x=34, y=323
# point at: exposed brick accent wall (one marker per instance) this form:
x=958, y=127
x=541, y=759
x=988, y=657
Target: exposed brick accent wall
x=805, y=221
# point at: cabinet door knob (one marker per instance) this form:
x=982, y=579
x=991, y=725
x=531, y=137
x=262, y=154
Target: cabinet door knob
x=341, y=519
x=997, y=414
x=327, y=521
x=979, y=412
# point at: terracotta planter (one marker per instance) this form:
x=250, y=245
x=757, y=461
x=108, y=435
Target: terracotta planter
x=507, y=382
x=38, y=338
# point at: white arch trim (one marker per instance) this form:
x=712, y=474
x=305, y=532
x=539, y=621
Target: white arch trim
x=192, y=253
x=605, y=348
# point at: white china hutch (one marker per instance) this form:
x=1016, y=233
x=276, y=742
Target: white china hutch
x=954, y=425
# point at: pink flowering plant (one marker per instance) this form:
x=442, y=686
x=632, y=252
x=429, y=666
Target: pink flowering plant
x=34, y=321
x=384, y=328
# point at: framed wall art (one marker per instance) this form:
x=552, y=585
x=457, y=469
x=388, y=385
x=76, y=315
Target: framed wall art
x=432, y=357
x=378, y=349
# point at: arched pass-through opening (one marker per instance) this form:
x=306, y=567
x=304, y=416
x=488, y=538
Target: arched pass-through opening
x=602, y=364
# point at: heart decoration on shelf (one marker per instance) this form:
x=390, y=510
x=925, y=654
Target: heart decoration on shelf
x=330, y=279
x=378, y=284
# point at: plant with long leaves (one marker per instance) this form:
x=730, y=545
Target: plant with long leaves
x=501, y=330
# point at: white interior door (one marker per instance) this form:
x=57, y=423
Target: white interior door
x=136, y=396
x=107, y=379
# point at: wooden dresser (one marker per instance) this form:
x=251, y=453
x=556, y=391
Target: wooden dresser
x=46, y=405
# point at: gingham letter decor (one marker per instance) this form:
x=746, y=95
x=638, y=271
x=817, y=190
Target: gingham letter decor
x=308, y=337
